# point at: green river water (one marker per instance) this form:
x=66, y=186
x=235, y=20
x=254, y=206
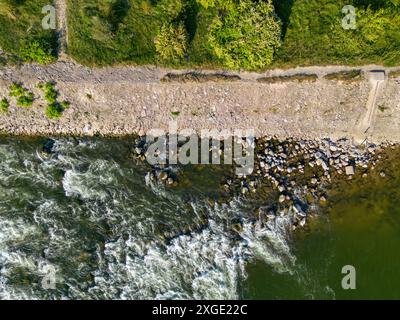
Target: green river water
x=93, y=216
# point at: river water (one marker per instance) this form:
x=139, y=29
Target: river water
x=86, y=222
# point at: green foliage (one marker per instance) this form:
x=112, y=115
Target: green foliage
x=171, y=43
x=37, y=51
x=54, y=111
x=24, y=97
x=99, y=34
x=315, y=34
x=207, y=3
x=22, y=36
x=246, y=34
x=25, y=100
x=174, y=31
x=17, y=90
x=50, y=92
x=4, y=104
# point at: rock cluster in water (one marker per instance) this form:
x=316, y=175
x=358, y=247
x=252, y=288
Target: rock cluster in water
x=299, y=171
x=296, y=172
x=159, y=173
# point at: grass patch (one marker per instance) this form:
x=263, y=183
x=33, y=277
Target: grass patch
x=104, y=32
x=296, y=77
x=22, y=35
x=345, y=76
x=314, y=34
x=198, y=77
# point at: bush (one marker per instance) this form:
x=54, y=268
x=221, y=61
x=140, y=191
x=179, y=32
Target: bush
x=4, y=104
x=17, y=90
x=38, y=51
x=50, y=92
x=25, y=100
x=171, y=43
x=245, y=34
x=54, y=111
x=24, y=97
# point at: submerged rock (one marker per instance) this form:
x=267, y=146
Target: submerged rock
x=48, y=146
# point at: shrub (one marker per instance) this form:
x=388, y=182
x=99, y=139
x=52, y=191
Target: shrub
x=38, y=51
x=25, y=100
x=54, y=111
x=4, y=104
x=50, y=92
x=171, y=43
x=245, y=34
x=24, y=97
x=17, y=90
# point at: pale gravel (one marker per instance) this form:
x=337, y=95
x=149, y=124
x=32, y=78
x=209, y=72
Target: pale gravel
x=132, y=100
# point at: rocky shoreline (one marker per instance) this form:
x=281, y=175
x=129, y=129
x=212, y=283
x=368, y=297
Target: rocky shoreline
x=298, y=173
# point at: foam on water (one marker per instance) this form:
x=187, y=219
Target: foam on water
x=102, y=226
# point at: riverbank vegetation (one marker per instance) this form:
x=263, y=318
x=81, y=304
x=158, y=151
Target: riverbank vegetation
x=225, y=33
x=231, y=34
x=23, y=96
x=22, y=37
x=54, y=109
x=313, y=33
x=26, y=98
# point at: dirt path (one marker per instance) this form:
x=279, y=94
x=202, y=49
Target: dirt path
x=62, y=27
x=366, y=125
x=126, y=100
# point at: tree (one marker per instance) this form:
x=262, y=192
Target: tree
x=245, y=34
